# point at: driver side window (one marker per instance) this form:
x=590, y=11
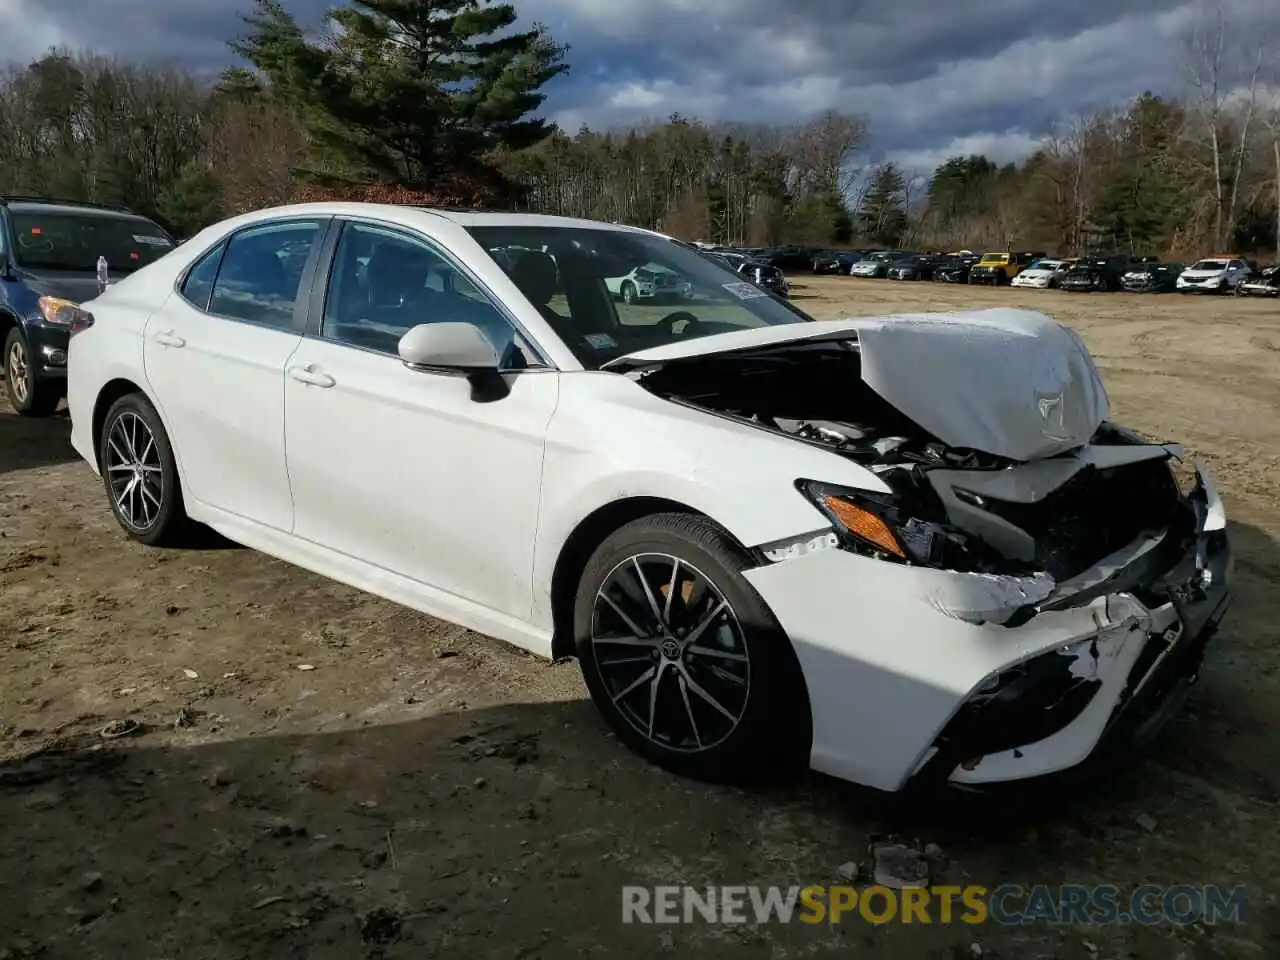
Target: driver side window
x=384, y=282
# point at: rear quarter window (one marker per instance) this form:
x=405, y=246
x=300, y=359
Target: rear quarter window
x=198, y=287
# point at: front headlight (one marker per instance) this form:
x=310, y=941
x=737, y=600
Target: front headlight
x=875, y=524
x=57, y=310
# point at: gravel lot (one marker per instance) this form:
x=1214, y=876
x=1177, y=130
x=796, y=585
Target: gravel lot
x=322, y=774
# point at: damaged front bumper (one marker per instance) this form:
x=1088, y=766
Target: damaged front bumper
x=922, y=677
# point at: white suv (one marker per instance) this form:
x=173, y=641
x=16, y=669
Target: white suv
x=1217, y=275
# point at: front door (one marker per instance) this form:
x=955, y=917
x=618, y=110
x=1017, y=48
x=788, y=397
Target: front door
x=405, y=469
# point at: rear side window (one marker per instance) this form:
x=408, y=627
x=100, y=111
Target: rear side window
x=261, y=272
x=198, y=286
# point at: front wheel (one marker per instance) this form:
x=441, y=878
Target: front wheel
x=629, y=293
x=140, y=474
x=682, y=656
x=28, y=395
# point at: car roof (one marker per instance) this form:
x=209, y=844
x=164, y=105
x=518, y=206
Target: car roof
x=424, y=218
x=459, y=216
x=70, y=209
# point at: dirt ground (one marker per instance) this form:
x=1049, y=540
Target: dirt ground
x=322, y=774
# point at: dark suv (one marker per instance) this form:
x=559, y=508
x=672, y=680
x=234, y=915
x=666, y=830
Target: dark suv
x=1101, y=271
x=49, y=251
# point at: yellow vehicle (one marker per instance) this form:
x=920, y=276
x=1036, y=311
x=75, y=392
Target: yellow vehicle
x=1001, y=268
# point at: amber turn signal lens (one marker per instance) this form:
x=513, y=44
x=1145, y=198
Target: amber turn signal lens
x=864, y=524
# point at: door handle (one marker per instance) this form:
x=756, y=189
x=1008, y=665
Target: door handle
x=169, y=339
x=306, y=373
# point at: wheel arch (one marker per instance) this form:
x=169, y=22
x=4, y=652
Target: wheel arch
x=8, y=320
x=109, y=393
x=590, y=532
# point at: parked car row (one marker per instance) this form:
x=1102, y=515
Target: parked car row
x=1090, y=273
x=1093, y=272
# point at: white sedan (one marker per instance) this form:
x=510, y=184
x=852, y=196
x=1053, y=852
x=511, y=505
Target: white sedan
x=905, y=550
x=1041, y=274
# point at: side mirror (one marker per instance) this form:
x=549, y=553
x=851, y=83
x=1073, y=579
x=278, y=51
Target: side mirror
x=448, y=346
x=460, y=347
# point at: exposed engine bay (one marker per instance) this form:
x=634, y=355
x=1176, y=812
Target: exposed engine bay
x=955, y=508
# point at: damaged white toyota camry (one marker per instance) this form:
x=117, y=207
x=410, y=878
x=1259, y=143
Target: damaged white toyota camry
x=905, y=550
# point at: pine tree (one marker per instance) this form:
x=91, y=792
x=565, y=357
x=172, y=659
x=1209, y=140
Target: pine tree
x=416, y=92
x=882, y=214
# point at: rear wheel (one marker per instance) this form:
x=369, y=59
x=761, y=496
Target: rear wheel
x=140, y=474
x=682, y=656
x=28, y=395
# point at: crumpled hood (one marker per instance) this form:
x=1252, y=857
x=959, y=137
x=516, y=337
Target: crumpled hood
x=1009, y=382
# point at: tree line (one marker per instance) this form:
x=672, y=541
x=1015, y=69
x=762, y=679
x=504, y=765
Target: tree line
x=436, y=101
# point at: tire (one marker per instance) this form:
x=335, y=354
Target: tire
x=743, y=660
x=133, y=434
x=28, y=395
x=628, y=292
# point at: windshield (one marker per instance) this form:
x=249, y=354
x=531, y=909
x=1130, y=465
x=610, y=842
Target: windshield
x=1210, y=265
x=1045, y=264
x=582, y=282
x=994, y=257
x=69, y=241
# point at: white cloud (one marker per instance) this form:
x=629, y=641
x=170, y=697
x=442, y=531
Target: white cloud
x=635, y=96
x=1001, y=148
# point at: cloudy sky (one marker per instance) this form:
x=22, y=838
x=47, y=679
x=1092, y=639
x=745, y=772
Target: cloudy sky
x=935, y=77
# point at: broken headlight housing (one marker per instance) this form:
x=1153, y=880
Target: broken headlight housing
x=877, y=525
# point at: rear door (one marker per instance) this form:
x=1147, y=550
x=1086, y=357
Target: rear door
x=215, y=358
